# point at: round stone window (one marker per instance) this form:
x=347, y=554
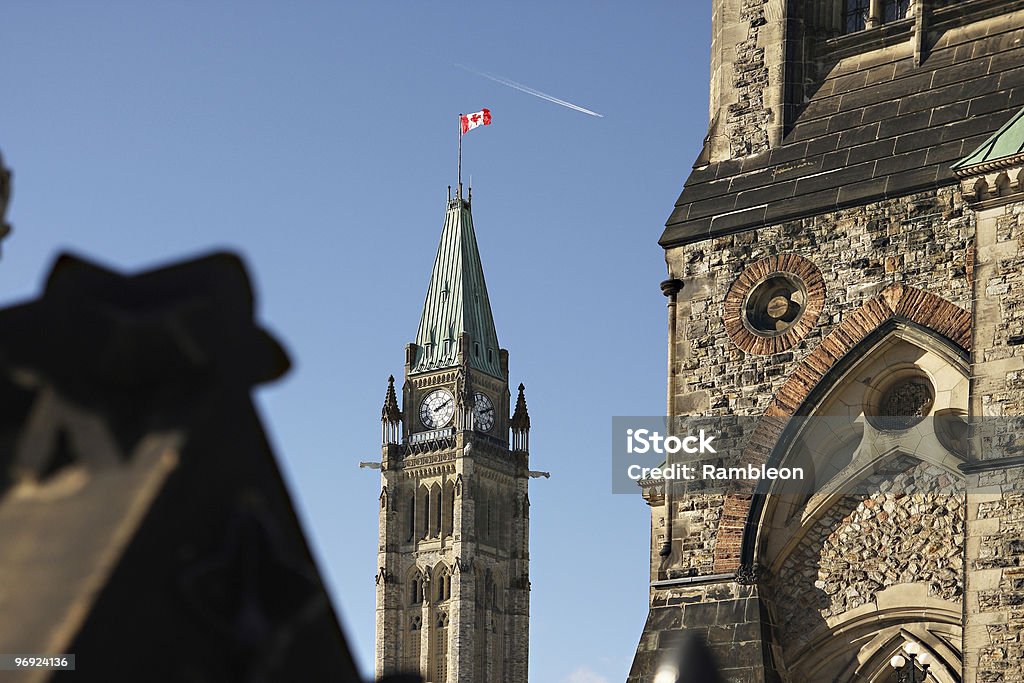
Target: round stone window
x=902, y=403
x=774, y=303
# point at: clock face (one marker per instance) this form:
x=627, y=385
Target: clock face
x=437, y=408
x=483, y=412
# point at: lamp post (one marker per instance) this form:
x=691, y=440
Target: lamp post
x=914, y=669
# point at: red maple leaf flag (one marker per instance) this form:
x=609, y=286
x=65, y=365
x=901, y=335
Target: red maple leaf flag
x=471, y=121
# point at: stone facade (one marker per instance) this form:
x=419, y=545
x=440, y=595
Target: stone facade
x=826, y=261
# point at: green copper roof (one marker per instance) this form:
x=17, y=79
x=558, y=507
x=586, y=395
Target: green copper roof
x=1004, y=148
x=457, y=301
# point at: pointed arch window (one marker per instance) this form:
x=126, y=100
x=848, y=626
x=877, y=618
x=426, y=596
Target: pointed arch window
x=435, y=511
x=448, y=513
x=422, y=512
x=443, y=585
x=416, y=589
x=411, y=518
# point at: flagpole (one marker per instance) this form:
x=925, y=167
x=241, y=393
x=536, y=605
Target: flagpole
x=460, y=157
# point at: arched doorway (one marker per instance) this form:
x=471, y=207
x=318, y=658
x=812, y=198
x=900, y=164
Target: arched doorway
x=869, y=553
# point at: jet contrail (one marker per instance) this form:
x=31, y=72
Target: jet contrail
x=529, y=91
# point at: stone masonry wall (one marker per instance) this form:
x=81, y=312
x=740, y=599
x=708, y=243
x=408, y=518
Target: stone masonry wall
x=1002, y=600
x=726, y=616
x=994, y=629
x=748, y=117
x=1002, y=290
x=922, y=241
x=747, y=68
x=909, y=530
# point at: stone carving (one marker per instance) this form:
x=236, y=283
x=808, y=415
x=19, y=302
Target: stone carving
x=748, y=574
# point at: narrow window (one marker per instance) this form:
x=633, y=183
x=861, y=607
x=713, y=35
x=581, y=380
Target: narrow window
x=855, y=15
x=412, y=517
x=894, y=10
x=436, y=508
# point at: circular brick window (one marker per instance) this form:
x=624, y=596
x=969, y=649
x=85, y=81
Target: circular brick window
x=774, y=303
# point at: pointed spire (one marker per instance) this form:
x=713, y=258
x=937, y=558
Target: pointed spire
x=390, y=415
x=457, y=301
x=521, y=416
x=390, y=412
x=520, y=423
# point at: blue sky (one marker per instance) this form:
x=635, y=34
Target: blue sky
x=317, y=139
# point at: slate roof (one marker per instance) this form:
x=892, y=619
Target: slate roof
x=1005, y=147
x=457, y=301
x=878, y=127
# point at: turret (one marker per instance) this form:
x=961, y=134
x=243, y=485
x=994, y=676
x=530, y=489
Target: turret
x=520, y=423
x=390, y=416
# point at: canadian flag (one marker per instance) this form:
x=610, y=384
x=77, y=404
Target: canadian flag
x=471, y=121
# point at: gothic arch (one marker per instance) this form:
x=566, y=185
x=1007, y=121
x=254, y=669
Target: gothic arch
x=859, y=611
x=434, y=512
x=441, y=582
x=898, y=306
x=414, y=585
x=448, y=513
x=422, y=511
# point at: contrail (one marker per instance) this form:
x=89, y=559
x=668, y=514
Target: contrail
x=529, y=91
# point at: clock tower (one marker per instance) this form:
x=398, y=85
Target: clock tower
x=453, y=579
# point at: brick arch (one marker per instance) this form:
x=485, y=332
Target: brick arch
x=897, y=302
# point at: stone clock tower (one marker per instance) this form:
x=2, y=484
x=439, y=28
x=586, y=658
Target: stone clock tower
x=453, y=581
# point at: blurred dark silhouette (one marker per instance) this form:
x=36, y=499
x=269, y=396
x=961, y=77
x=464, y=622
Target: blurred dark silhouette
x=146, y=526
x=692, y=662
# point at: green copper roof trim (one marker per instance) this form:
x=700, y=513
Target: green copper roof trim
x=1004, y=148
x=457, y=301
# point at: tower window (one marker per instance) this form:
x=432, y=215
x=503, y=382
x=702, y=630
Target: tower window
x=476, y=349
x=893, y=10
x=855, y=15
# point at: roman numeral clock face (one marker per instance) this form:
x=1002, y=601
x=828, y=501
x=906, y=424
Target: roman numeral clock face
x=483, y=412
x=437, y=409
